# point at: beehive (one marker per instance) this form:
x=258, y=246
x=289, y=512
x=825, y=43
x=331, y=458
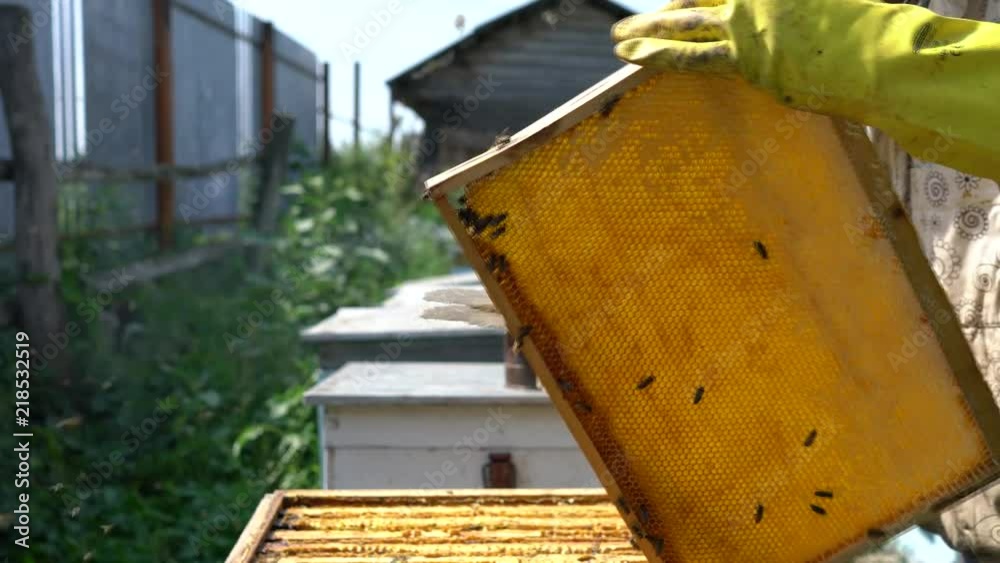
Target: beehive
x=732, y=314
x=455, y=526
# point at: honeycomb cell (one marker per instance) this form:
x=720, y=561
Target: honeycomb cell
x=726, y=336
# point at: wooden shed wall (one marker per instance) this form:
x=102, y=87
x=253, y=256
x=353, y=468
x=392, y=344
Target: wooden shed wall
x=534, y=63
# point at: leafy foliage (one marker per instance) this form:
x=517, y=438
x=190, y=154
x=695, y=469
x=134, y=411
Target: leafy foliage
x=188, y=407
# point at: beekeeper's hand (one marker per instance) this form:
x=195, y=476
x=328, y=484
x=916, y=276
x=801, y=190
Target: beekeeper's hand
x=931, y=82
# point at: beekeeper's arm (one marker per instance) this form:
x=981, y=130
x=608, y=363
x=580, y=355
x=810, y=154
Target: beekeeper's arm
x=931, y=82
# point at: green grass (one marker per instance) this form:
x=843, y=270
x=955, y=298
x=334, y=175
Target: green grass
x=181, y=418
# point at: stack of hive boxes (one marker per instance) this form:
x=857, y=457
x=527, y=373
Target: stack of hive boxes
x=408, y=402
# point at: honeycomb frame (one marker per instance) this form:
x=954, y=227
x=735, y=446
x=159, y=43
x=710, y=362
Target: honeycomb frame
x=441, y=526
x=884, y=228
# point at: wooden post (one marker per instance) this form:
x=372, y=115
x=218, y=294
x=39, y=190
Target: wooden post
x=42, y=311
x=393, y=121
x=326, y=113
x=357, y=105
x=273, y=168
x=266, y=205
x=164, y=102
x=267, y=76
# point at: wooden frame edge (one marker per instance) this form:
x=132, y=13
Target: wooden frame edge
x=887, y=209
x=540, y=132
x=294, y=496
x=257, y=529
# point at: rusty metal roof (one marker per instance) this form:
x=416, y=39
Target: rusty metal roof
x=480, y=33
x=550, y=526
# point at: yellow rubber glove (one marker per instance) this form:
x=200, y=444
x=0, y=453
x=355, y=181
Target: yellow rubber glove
x=931, y=82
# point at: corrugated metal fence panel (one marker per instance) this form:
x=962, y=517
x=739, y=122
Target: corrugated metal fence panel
x=41, y=13
x=120, y=91
x=205, y=106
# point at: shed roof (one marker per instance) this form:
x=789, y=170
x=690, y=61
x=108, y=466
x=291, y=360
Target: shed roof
x=481, y=32
x=447, y=526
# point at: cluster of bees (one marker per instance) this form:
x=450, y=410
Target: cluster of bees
x=642, y=514
x=476, y=224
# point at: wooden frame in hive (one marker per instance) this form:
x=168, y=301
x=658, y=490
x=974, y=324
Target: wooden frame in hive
x=440, y=526
x=731, y=312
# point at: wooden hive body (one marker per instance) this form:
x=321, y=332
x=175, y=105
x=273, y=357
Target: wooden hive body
x=444, y=526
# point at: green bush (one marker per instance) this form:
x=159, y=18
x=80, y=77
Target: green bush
x=182, y=416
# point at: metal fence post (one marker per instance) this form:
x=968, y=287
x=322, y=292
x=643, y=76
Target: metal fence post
x=164, y=101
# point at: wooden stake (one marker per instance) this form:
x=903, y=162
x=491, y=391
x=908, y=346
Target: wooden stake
x=267, y=75
x=357, y=105
x=326, y=113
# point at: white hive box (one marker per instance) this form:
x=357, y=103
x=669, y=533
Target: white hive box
x=434, y=425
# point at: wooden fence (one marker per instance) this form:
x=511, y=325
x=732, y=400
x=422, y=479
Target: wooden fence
x=276, y=61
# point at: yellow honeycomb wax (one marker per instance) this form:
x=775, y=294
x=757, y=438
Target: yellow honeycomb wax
x=715, y=297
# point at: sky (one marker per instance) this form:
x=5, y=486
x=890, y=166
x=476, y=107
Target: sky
x=405, y=32
x=389, y=36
